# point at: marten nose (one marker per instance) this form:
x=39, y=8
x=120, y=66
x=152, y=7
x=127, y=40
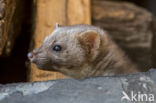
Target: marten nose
x=30, y=55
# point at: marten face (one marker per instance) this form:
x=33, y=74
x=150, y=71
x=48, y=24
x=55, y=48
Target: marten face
x=65, y=48
x=58, y=49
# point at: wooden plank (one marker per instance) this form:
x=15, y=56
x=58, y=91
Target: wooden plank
x=47, y=13
x=129, y=26
x=79, y=12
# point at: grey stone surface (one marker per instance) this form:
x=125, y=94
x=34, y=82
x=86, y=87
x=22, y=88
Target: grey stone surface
x=91, y=90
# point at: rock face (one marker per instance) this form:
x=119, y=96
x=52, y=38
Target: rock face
x=91, y=90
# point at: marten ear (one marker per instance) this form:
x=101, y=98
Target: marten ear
x=90, y=40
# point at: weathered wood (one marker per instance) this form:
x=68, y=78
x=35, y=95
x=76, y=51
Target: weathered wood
x=46, y=14
x=78, y=12
x=11, y=18
x=7, y=8
x=129, y=26
x=15, y=27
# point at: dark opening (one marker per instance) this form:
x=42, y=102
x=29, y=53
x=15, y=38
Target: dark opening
x=13, y=68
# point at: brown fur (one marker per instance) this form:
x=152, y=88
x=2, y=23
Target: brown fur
x=87, y=51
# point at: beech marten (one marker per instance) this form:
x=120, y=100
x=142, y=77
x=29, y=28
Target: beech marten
x=81, y=51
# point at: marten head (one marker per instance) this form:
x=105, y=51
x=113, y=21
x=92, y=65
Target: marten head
x=67, y=49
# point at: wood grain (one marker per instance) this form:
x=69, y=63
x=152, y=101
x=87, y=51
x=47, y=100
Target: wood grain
x=7, y=9
x=11, y=19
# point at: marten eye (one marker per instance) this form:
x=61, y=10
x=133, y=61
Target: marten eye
x=57, y=48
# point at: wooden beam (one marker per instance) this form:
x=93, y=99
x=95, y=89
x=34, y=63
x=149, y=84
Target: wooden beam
x=78, y=12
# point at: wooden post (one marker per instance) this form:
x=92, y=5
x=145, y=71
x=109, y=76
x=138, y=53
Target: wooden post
x=46, y=14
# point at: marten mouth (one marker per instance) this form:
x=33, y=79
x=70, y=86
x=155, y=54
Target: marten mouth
x=52, y=69
x=45, y=67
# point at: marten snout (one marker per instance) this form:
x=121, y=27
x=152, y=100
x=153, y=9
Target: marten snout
x=31, y=55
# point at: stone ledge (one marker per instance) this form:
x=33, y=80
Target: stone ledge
x=91, y=90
